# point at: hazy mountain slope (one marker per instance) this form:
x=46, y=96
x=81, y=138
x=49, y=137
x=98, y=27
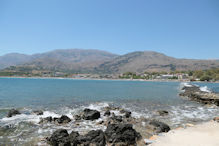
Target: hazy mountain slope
x=13, y=59
x=73, y=60
x=95, y=61
x=153, y=61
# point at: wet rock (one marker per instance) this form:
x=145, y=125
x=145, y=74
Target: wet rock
x=122, y=134
x=163, y=113
x=13, y=112
x=77, y=117
x=126, y=113
x=73, y=138
x=46, y=120
x=115, y=119
x=38, y=112
x=107, y=113
x=158, y=127
x=216, y=119
x=94, y=137
x=62, y=120
x=89, y=114
x=59, y=137
x=194, y=93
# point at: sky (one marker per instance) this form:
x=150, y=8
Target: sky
x=178, y=28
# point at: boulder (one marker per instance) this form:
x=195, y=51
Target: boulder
x=62, y=120
x=38, y=112
x=107, y=113
x=73, y=138
x=158, y=127
x=89, y=114
x=126, y=113
x=216, y=119
x=122, y=134
x=13, y=112
x=46, y=120
x=59, y=137
x=163, y=112
x=77, y=117
x=94, y=137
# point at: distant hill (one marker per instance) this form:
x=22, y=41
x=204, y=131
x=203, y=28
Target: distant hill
x=13, y=59
x=96, y=61
x=153, y=61
x=71, y=60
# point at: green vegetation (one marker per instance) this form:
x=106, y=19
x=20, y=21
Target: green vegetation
x=207, y=75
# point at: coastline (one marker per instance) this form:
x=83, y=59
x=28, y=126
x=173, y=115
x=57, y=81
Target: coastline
x=105, y=79
x=201, y=134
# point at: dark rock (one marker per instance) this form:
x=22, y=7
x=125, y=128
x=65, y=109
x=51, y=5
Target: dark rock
x=59, y=137
x=158, y=127
x=91, y=114
x=93, y=137
x=216, y=119
x=107, y=113
x=77, y=117
x=63, y=119
x=121, y=133
x=114, y=119
x=73, y=138
x=163, y=112
x=38, y=112
x=126, y=112
x=46, y=120
x=13, y=112
x=194, y=93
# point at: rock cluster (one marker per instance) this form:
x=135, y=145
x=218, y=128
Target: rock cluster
x=121, y=129
x=13, y=112
x=194, y=93
x=62, y=120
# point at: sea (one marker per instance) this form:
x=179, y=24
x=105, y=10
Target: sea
x=58, y=97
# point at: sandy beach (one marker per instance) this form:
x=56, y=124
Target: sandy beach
x=206, y=134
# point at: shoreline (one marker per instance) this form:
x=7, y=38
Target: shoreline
x=200, y=134
x=105, y=79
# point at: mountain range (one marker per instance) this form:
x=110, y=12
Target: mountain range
x=96, y=61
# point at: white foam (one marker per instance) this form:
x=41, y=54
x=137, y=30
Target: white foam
x=205, y=89
x=29, y=118
x=186, y=85
x=98, y=106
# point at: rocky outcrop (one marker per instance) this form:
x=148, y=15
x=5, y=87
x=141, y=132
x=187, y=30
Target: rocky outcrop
x=94, y=137
x=89, y=114
x=216, y=119
x=121, y=134
x=38, y=112
x=62, y=120
x=13, y=112
x=46, y=120
x=126, y=113
x=61, y=137
x=107, y=113
x=194, y=93
x=158, y=127
x=163, y=112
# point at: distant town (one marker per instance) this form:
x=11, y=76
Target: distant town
x=211, y=75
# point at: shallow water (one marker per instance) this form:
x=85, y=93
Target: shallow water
x=65, y=96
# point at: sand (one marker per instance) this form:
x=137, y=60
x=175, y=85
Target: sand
x=206, y=134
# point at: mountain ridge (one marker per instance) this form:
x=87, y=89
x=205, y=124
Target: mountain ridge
x=98, y=61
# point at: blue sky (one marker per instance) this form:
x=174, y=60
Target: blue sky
x=179, y=28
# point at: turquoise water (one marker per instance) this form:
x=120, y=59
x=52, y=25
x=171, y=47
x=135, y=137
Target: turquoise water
x=16, y=92
x=66, y=96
